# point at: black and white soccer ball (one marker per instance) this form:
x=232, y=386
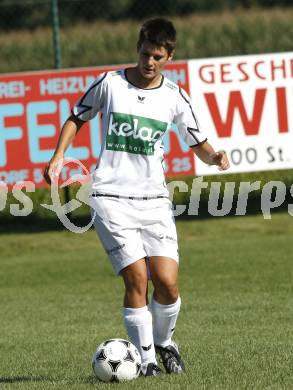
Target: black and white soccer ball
x=116, y=360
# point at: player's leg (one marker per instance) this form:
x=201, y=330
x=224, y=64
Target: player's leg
x=164, y=275
x=160, y=243
x=137, y=317
x=135, y=281
x=114, y=224
x=165, y=309
x=166, y=301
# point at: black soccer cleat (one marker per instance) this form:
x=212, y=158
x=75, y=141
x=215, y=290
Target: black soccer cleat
x=150, y=369
x=171, y=358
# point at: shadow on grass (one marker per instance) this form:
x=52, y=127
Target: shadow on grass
x=91, y=379
x=18, y=379
x=37, y=224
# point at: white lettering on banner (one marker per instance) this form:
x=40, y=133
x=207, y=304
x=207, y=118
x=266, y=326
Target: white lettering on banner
x=62, y=85
x=14, y=176
x=13, y=89
x=244, y=103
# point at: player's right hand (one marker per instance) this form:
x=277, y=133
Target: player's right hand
x=221, y=160
x=53, y=169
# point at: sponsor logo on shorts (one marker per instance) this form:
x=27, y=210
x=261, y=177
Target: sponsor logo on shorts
x=133, y=134
x=115, y=249
x=168, y=238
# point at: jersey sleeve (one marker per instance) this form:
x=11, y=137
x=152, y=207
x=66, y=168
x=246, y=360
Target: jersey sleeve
x=187, y=122
x=92, y=101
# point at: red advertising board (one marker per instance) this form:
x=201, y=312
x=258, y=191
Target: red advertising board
x=33, y=107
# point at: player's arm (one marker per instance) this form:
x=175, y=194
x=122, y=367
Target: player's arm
x=208, y=155
x=84, y=110
x=189, y=128
x=67, y=135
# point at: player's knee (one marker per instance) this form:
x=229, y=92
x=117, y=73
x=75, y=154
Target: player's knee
x=171, y=293
x=167, y=291
x=136, y=284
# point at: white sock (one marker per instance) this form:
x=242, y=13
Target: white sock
x=164, y=319
x=138, y=323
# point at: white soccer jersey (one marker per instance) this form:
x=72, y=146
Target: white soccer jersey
x=134, y=121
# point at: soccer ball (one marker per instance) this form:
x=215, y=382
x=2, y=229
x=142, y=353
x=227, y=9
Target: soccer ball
x=116, y=360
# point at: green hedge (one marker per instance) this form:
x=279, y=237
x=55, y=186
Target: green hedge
x=43, y=196
x=100, y=43
x=35, y=13
x=254, y=198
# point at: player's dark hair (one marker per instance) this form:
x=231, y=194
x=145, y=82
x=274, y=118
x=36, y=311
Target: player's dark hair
x=159, y=32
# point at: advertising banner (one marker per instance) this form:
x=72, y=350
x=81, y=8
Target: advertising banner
x=244, y=104
x=33, y=107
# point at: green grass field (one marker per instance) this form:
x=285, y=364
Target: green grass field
x=59, y=299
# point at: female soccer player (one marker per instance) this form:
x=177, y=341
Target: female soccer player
x=134, y=217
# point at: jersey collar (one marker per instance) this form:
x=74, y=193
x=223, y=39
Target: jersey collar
x=144, y=89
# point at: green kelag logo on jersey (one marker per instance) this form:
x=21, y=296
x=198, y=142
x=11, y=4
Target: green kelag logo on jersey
x=133, y=134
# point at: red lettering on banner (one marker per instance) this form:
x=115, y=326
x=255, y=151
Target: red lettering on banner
x=225, y=72
x=281, y=67
x=224, y=126
x=256, y=70
x=282, y=110
x=240, y=66
x=210, y=73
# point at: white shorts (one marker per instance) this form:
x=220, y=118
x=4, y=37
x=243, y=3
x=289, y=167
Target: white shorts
x=132, y=229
